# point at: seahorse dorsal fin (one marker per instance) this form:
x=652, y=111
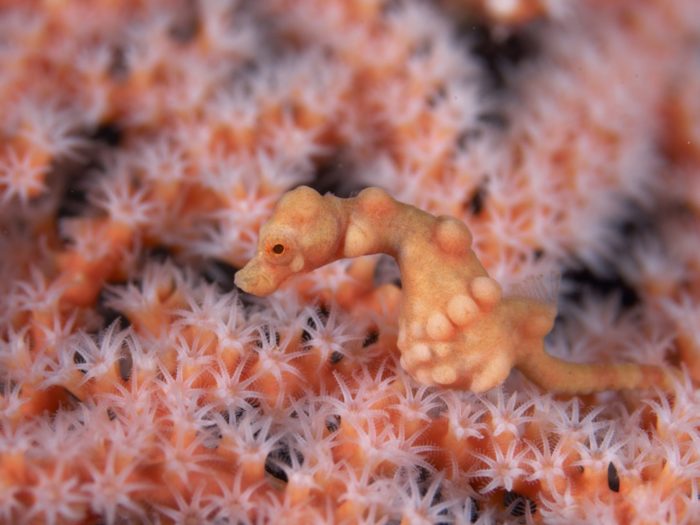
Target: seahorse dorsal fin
x=542, y=287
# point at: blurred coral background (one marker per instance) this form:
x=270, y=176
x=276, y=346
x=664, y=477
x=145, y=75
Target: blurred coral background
x=142, y=144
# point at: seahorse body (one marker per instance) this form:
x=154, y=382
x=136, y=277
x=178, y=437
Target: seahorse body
x=455, y=328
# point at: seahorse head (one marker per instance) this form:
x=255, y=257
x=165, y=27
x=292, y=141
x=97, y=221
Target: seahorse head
x=303, y=233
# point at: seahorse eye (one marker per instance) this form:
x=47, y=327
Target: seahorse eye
x=279, y=248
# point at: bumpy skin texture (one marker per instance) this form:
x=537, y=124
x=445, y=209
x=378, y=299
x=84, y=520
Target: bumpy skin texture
x=456, y=328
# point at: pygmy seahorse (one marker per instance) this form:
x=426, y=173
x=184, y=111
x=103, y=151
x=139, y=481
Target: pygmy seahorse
x=456, y=327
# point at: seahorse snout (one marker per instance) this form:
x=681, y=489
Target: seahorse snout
x=254, y=278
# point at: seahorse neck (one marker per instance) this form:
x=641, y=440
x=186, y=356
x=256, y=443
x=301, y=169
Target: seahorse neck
x=375, y=223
